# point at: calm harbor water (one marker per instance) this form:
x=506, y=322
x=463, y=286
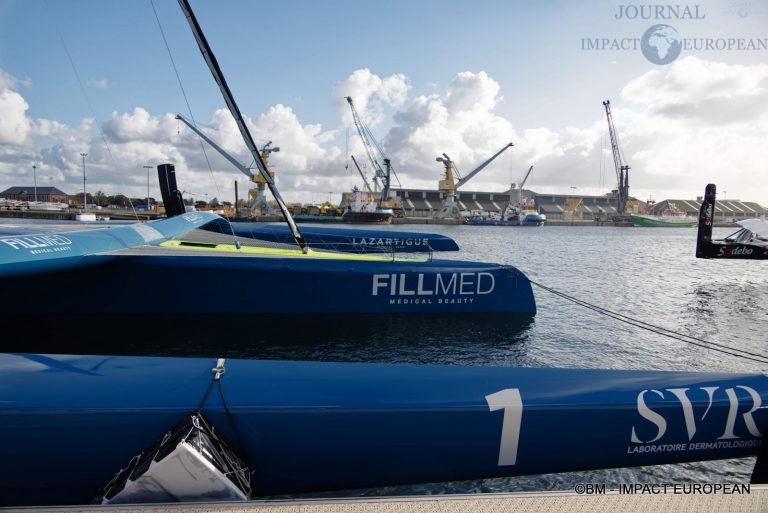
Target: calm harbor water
x=647, y=273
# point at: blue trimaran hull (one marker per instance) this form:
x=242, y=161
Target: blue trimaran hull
x=71, y=422
x=350, y=240
x=45, y=252
x=273, y=286
x=357, y=240
x=168, y=282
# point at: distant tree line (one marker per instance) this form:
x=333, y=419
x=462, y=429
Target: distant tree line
x=121, y=201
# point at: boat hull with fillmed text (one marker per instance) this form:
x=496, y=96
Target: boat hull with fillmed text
x=72, y=422
x=170, y=278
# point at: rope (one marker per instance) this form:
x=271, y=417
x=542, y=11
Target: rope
x=659, y=330
x=232, y=421
x=219, y=371
x=205, y=396
x=189, y=107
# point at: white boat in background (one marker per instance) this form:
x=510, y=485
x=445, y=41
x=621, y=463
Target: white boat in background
x=527, y=215
x=46, y=205
x=6, y=204
x=520, y=214
x=364, y=208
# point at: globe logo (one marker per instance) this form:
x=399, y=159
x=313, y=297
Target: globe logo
x=661, y=44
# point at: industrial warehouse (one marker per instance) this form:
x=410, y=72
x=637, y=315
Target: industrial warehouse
x=564, y=207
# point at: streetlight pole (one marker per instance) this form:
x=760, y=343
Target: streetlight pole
x=85, y=204
x=147, y=168
x=34, y=172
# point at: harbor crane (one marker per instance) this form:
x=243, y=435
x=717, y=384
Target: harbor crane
x=448, y=185
x=520, y=189
x=622, y=170
x=362, y=175
x=375, y=153
x=258, y=202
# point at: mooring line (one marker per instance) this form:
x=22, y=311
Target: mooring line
x=659, y=330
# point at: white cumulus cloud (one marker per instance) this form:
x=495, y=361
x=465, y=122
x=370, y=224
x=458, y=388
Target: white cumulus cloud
x=370, y=93
x=15, y=125
x=681, y=127
x=697, y=122
x=460, y=122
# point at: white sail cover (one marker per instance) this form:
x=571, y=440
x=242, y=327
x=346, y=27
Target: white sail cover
x=758, y=226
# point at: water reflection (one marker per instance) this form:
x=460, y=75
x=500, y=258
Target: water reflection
x=440, y=339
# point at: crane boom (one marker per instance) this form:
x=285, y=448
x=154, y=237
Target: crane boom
x=373, y=150
x=247, y=172
x=481, y=166
x=522, y=184
x=367, y=186
x=622, y=170
x=526, y=177
x=218, y=76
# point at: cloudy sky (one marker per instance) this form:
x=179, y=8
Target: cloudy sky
x=429, y=77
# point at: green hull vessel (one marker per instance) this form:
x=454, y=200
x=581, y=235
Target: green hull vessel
x=664, y=221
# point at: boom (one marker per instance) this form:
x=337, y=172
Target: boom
x=526, y=177
x=367, y=186
x=481, y=166
x=522, y=184
x=622, y=170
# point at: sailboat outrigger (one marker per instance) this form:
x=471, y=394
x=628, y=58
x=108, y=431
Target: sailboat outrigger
x=318, y=426
x=750, y=242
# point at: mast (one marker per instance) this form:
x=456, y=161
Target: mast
x=218, y=76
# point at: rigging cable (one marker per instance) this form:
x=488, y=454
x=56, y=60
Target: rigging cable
x=189, y=109
x=93, y=114
x=688, y=339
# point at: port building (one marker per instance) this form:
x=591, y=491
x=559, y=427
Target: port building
x=28, y=193
x=426, y=202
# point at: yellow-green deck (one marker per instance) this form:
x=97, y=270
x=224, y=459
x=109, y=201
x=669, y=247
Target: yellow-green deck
x=286, y=252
